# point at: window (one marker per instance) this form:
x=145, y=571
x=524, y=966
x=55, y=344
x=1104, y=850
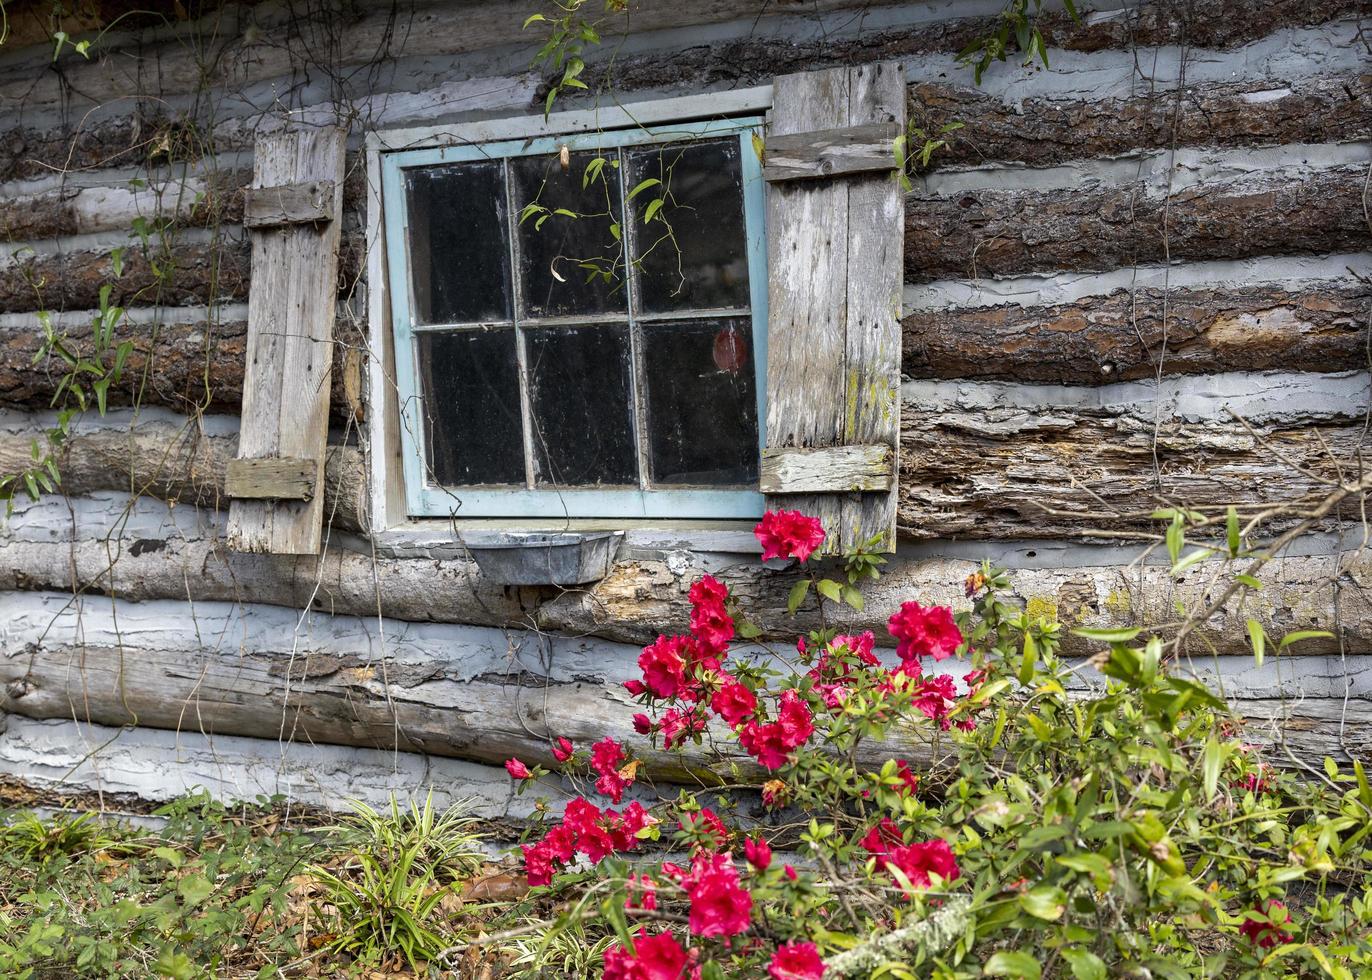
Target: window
x=580, y=323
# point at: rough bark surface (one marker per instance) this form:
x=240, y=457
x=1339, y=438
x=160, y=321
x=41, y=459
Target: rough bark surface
x=1010, y=232
x=1008, y=472
x=179, y=463
x=1123, y=335
x=1044, y=131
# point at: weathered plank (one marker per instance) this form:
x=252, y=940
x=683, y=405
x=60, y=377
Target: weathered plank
x=831, y=152
x=824, y=470
x=807, y=262
x=311, y=202
x=290, y=332
x=833, y=285
x=1090, y=586
x=1010, y=232
x=1123, y=335
x=270, y=479
x=177, y=460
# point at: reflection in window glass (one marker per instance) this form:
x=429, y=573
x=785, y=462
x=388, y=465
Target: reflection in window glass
x=471, y=407
x=702, y=402
x=582, y=397
x=459, y=242
x=693, y=253
x=579, y=247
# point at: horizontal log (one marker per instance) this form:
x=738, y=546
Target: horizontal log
x=983, y=462
x=186, y=360
x=1066, y=472
x=1011, y=232
x=1124, y=335
x=63, y=763
x=196, y=272
x=176, y=461
x=1212, y=24
x=45, y=548
x=1040, y=131
x=457, y=692
x=481, y=695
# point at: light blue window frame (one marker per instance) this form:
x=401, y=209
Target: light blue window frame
x=423, y=498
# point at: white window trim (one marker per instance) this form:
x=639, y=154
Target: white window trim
x=389, y=522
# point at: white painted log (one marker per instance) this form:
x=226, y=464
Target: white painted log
x=146, y=765
x=827, y=469
x=98, y=543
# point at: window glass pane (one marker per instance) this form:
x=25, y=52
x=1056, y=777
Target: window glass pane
x=693, y=253
x=471, y=400
x=459, y=242
x=580, y=247
x=702, y=401
x=580, y=390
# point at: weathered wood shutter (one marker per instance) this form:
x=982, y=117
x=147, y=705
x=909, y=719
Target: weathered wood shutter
x=291, y=212
x=835, y=254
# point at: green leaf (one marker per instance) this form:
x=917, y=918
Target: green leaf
x=1109, y=635
x=798, y=593
x=1364, y=791
x=194, y=889
x=642, y=186
x=1085, y=964
x=1029, y=660
x=853, y=598
x=748, y=630
x=1194, y=558
x=650, y=212
x=830, y=589
x=1298, y=635
x=1012, y=964
x=1210, y=766
x=1175, y=537
x=1232, y=531
x=1046, y=902
x=1249, y=581
x=1259, y=640
x=533, y=19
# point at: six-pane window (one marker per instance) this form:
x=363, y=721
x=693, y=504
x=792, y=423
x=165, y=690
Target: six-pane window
x=579, y=323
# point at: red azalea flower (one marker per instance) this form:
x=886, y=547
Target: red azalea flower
x=795, y=719
x=860, y=646
x=796, y=961
x=635, y=687
x=643, y=724
x=922, y=630
x=734, y=702
x=935, y=697
x=774, y=793
x=918, y=861
x=758, y=852
x=642, y=893
x=765, y=743
x=538, y=864
x=789, y=871
x=654, y=957
x=720, y=906
x=788, y=534
x=707, y=822
x=664, y=666
x=562, y=750
x=909, y=781
x=710, y=623
x=517, y=769
x=677, y=726
x=1265, y=931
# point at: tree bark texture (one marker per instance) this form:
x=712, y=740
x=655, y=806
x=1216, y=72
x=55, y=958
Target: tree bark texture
x=1125, y=336
x=1013, y=232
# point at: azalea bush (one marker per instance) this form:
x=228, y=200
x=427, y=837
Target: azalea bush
x=957, y=801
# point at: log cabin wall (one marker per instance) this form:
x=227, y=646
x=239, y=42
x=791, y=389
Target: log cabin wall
x=1137, y=277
